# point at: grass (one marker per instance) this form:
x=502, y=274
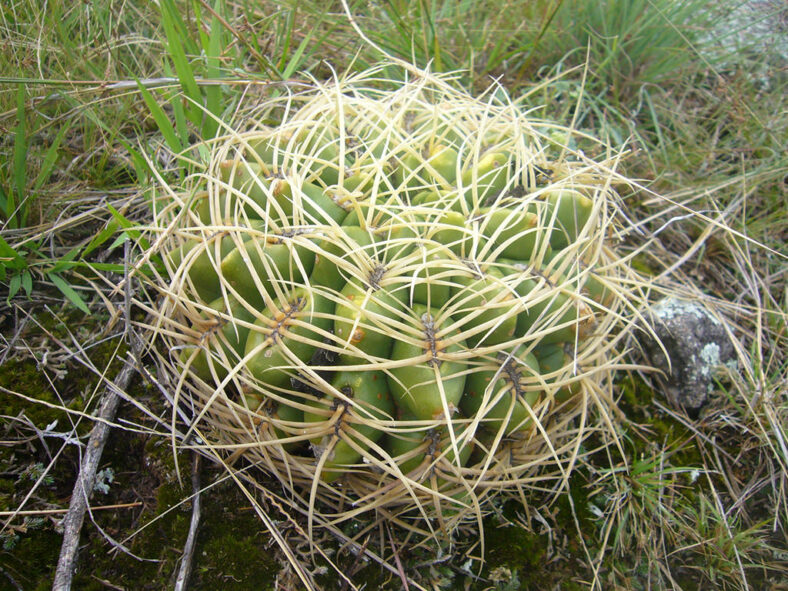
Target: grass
x=96, y=96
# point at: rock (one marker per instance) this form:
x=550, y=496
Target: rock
x=697, y=345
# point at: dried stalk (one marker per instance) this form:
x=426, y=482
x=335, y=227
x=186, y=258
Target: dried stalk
x=72, y=523
x=83, y=487
x=185, y=570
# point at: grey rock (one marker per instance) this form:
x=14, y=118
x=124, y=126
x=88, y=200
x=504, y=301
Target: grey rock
x=697, y=345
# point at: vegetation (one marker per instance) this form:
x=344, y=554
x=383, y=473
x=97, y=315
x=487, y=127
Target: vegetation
x=99, y=101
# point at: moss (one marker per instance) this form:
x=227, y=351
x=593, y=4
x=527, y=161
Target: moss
x=660, y=428
x=234, y=551
x=31, y=560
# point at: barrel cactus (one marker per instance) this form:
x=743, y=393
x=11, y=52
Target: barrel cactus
x=396, y=301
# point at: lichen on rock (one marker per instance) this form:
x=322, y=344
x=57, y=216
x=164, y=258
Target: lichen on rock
x=688, y=345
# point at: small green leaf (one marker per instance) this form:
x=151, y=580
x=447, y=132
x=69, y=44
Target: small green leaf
x=100, y=238
x=14, y=285
x=68, y=291
x=128, y=226
x=119, y=240
x=66, y=261
x=10, y=257
x=27, y=282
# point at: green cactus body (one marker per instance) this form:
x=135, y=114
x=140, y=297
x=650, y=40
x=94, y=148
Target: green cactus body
x=202, y=260
x=443, y=160
x=280, y=339
x=357, y=180
x=407, y=175
x=484, y=306
x=366, y=214
x=514, y=234
x=506, y=388
x=428, y=197
x=486, y=179
x=328, y=269
x=360, y=318
x=417, y=451
x=441, y=461
x=269, y=152
x=250, y=191
x=201, y=205
x=371, y=400
x=553, y=358
x=286, y=413
x=557, y=313
x=276, y=261
x=407, y=448
x=229, y=335
x=422, y=387
x=432, y=276
x=399, y=236
x=451, y=230
x=322, y=156
x=584, y=277
x=315, y=206
x=572, y=212
x=412, y=267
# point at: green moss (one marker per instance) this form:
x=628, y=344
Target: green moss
x=659, y=427
x=234, y=551
x=31, y=560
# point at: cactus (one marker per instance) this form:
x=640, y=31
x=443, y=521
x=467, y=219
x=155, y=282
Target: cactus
x=407, y=285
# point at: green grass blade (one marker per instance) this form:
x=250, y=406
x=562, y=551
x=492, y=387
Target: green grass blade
x=177, y=36
x=141, y=166
x=285, y=48
x=50, y=158
x=213, y=94
x=162, y=121
x=3, y=201
x=68, y=291
x=129, y=229
x=15, y=197
x=100, y=238
x=66, y=261
x=295, y=61
x=104, y=267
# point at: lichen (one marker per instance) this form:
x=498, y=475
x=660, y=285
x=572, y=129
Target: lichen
x=672, y=307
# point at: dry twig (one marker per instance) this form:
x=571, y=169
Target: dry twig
x=185, y=570
x=72, y=523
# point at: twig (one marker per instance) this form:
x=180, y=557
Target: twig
x=72, y=522
x=56, y=511
x=355, y=566
x=400, y=570
x=110, y=400
x=191, y=540
x=108, y=584
x=11, y=579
